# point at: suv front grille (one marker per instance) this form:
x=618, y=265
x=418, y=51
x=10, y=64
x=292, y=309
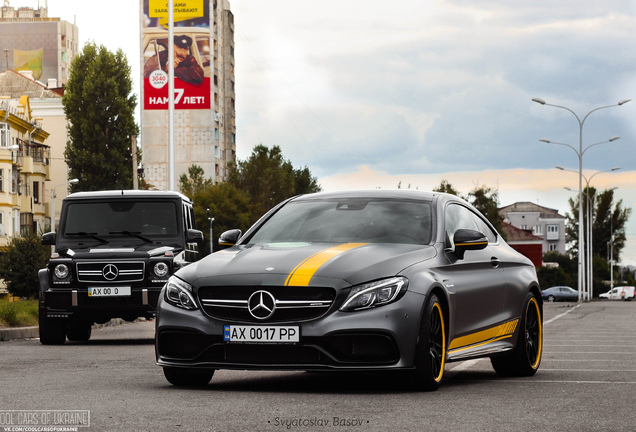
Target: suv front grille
x=110, y=271
x=290, y=303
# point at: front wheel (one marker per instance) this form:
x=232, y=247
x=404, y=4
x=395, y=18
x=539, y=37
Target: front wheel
x=430, y=353
x=188, y=377
x=79, y=330
x=52, y=330
x=525, y=359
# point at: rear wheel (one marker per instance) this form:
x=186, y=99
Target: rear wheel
x=525, y=359
x=188, y=377
x=430, y=353
x=52, y=330
x=551, y=298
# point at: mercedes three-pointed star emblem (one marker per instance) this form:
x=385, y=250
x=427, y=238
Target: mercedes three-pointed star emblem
x=261, y=305
x=110, y=272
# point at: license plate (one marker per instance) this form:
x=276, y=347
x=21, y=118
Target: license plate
x=109, y=292
x=261, y=334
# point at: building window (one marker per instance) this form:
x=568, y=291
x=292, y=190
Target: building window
x=1, y=179
x=216, y=133
x=553, y=228
x=5, y=135
x=36, y=192
x=552, y=247
x=538, y=229
x=26, y=223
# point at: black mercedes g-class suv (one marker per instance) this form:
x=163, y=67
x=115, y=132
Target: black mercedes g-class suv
x=114, y=251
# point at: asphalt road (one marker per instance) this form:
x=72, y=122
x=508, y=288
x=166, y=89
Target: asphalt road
x=587, y=382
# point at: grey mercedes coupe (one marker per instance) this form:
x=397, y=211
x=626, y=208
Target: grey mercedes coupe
x=354, y=281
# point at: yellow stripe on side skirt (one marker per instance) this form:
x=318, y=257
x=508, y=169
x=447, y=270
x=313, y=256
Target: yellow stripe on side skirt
x=302, y=274
x=489, y=335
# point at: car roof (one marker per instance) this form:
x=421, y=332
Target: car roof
x=377, y=193
x=126, y=194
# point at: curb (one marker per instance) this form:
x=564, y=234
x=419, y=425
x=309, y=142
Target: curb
x=12, y=333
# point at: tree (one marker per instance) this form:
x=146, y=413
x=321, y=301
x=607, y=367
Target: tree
x=269, y=179
x=446, y=187
x=99, y=105
x=230, y=207
x=608, y=220
x=486, y=200
x=19, y=265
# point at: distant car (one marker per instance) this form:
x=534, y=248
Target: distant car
x=560, y=293
x=354, y=281
x=619, y=293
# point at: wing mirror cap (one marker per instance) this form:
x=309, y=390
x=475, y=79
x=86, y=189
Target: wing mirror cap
x=229, y=238
x=48, y=238
x=466, y=239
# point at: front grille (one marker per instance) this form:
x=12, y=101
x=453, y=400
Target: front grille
x=110, y=271
x=290, y=303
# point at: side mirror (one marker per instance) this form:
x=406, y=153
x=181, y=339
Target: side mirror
x=48, y=238
x=466, y=239
x=194, y=236
x=229, y=238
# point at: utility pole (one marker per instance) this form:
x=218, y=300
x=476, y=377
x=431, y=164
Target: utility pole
x=133, y=145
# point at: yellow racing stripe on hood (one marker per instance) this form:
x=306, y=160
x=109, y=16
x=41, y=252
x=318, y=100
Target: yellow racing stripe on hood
x=303, y=272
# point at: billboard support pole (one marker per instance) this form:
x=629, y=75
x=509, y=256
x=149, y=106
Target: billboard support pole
x=171, y=152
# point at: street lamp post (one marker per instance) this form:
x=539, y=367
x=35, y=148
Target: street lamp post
x=589, y=211
x=53, y=196
x=580, y=155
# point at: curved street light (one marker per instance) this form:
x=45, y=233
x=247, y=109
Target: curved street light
x=580, y=152
x=589, y=210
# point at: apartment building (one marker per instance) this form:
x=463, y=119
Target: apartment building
x=32, y=41
x=542, y=222
x=204, y=116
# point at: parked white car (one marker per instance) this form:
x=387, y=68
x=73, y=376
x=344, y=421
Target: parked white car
x=619, y=293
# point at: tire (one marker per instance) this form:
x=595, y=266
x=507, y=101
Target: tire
x=525, y=359
x=430, y=352
x=551, y=299
x=185, y=377
x=52, y=330
x=78, y=330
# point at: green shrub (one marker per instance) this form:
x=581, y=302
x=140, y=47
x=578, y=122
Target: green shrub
x=19, y=314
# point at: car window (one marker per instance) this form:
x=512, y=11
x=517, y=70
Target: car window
x=460, y=217
x=106, y=218
x=348, y=220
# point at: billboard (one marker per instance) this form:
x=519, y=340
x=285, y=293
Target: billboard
x=192, y=54
x=28, y=60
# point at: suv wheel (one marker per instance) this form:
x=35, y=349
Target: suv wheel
x=78, y=330
x=52, y=330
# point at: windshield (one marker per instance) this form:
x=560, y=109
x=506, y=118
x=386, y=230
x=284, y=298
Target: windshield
x=101, y=220
x=348, y=220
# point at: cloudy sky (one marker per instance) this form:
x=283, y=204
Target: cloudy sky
x=370, y=93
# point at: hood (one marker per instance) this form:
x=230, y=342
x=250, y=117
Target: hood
x=107, y=251
x=303, y=264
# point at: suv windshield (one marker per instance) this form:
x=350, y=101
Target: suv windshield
x=100, y=220
x=348, y=220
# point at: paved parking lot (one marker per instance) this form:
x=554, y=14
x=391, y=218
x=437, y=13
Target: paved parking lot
x=587, y=382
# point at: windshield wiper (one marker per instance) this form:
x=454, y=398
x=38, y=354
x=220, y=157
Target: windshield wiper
x=133, y=234
x=91, y=235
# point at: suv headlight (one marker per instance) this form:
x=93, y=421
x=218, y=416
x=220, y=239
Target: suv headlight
x=61, y=271
x=179, y=293
x=374, y=294
x=161, y=269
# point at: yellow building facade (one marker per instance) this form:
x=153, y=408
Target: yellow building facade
x=24, y=168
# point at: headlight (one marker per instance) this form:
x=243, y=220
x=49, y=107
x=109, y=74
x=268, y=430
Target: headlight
x=161, y=269
x=179, y=293
x=61, y=271
x=373, y=294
